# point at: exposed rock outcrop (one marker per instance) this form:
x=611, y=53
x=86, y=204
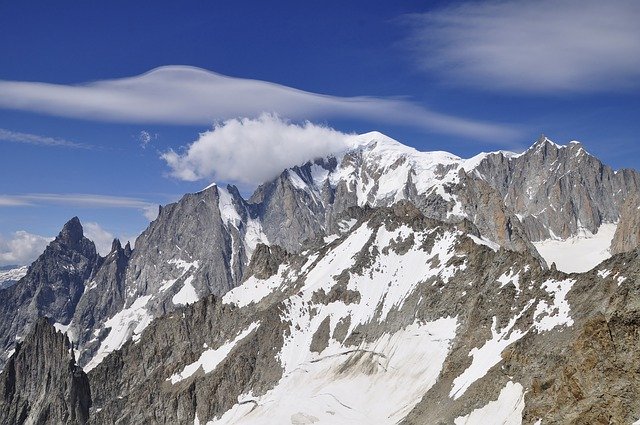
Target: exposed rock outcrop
x=627, y=236
x=41, y=384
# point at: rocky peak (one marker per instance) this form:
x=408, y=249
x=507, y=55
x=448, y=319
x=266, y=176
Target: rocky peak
x=627, y=235
x=116, y=246
x=71, y=233
x=52, y=286
x=266, y=260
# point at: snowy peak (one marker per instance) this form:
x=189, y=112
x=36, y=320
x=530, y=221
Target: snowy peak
x=11, y=274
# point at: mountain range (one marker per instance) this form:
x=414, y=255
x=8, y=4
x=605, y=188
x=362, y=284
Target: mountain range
x=377, y=285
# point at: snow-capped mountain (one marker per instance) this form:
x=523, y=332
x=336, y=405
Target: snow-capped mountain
x=380, y=285
x=11, y=274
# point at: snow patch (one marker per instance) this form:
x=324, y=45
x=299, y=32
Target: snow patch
x=487, y=356
x=187, y=294
x=331, y=238
x=346, y=225
x=484, y=241
x=510, y=277
x=253, y=290
x=547, y=317
x=297, y=181
x=506, y=410
x=210, y=359
x=184, y=265
x=130, y=321
x=385, y=380
x=227, y=209
x=578, y=253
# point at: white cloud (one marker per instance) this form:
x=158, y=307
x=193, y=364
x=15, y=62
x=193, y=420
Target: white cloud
x=34, y=139
x=100, y=237
x=250, y=151
x=541, y=46
x=148, y=209
x=187, y=95
x=103, y=239
x=21, y=248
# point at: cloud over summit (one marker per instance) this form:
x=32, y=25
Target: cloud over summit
x=250, y=151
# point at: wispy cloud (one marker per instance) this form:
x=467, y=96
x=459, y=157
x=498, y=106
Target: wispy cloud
x=186, y=95
x=34, y=139
x=150, y=210
x=541, y=46
x=12, y=201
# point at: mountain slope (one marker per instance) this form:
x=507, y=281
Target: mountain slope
x=559, y=190
x=400, y=318
x=201, y=244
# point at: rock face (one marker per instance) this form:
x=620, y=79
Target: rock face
x=202, y=244
x=103, y=297
x=41, y=383
x=52, y=287
x=557, y=190
x=627, y=236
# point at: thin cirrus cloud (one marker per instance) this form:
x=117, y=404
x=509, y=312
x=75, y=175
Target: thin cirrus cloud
x=536, y=47
x=35, y=139
x=185, y=95
x=148, y=209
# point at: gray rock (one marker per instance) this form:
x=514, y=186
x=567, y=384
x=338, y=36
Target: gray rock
x=558, y=189
x=41, y=384
x=627, y=236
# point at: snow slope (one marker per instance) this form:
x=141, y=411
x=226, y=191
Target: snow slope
x=506, y=410
x=579, y=253
x=386, y=377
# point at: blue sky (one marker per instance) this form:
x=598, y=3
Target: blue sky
x=100, y=101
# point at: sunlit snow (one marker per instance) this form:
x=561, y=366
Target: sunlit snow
x=130, y=321
x=506, y=410
x=487, y=356
x=211, y=358
x=578, y=253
